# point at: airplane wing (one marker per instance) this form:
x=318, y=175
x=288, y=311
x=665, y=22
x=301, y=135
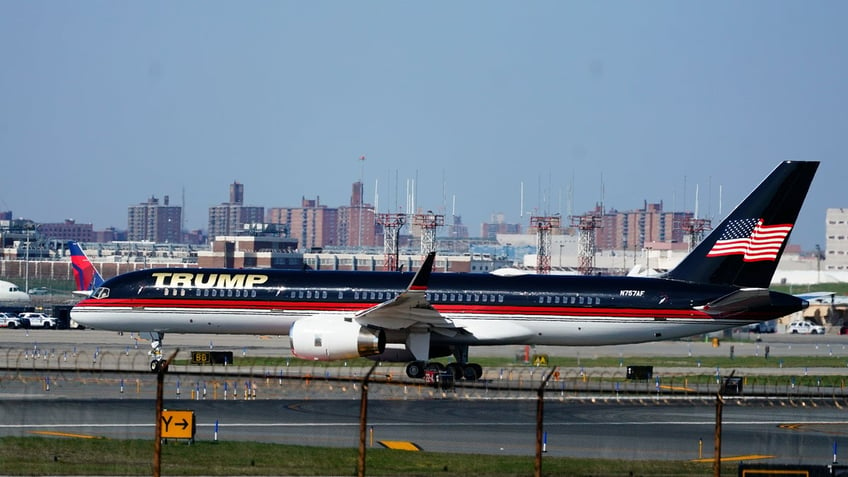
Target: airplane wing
x=408, y=309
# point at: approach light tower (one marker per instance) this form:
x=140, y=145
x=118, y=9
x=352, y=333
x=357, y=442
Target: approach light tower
x=543, y=225
x=428, y=223
x=695, y=229
x=586, y=226
x=392, y=223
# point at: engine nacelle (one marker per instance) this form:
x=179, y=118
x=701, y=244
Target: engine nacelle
x=325, y=338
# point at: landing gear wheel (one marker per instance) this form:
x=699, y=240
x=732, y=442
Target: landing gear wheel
x=475, y=370
x=437, y=367
x=155, y=365
x=415, y=369
x=455, y=369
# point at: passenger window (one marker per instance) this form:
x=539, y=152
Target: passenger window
x=324, y=295
x=485, y=298
x=214, y=292
x=500, y=298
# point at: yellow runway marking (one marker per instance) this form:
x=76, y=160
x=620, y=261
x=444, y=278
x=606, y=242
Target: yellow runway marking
x=65, y=434
x=736, y=458
x=676, y=388
x=400, y=445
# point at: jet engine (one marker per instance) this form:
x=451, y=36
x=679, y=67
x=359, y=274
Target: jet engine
x=326, y=338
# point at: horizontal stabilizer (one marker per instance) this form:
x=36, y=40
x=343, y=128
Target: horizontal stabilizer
x=740, y=301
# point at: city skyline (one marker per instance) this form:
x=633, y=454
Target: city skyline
x=469, y=104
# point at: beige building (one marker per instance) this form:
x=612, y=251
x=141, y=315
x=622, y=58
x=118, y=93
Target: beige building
x=836, y=244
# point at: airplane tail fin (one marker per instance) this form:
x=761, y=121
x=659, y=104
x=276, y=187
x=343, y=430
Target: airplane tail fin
x=86, y=277
x=744, y=249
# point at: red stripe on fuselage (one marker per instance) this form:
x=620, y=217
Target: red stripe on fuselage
x=318, y=307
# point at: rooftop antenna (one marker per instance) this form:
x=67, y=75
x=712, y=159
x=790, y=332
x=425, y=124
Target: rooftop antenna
x=521, y=201
x=376, y=195
x=697, y=189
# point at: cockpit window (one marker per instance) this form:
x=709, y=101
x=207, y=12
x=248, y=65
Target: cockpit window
x=101, y=292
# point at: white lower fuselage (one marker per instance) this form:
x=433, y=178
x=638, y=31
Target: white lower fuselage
x=482, y=329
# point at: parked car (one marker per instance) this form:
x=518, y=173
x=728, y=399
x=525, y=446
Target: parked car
x=9, y=321
x=763, y=327
x=805, y=327
x=843, y=330
x=38, y=320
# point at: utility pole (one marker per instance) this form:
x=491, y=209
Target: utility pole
x=363, y=422
x=540, y=417
x=157, y=443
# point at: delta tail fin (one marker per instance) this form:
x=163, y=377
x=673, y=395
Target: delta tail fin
x=86, y=277
x=743, y=250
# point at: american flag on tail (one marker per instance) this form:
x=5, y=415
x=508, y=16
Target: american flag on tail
x=751, y=239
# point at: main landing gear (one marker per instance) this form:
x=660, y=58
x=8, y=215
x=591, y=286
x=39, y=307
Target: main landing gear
x=461, y=369
x=467, y=371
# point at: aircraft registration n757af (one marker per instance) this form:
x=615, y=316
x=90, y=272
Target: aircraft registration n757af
x=415, y=317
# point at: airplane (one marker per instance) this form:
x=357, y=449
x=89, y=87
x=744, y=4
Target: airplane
x=86, y=277
x=13, y=299
x=416, y=317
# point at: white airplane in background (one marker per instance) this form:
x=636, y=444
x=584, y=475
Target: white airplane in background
x=13, y=298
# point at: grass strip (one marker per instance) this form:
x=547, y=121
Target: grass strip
x=56, y=456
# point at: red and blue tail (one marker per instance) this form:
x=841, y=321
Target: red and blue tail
x=86, y=277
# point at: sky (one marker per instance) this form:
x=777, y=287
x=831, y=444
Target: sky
x=104, y=104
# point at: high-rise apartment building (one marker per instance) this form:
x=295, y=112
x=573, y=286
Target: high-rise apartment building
x=154, y=222
x=229, y=218
x=313, y=225
x=634, y=228
x=358, y=222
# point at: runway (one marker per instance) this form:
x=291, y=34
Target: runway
x=38, y=402
x=625, y=430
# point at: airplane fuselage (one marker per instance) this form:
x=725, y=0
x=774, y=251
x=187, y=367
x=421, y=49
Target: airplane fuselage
x=490, y=310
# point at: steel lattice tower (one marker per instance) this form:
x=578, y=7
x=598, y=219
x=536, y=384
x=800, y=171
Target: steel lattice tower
x=428, y=223
x=695, y=229
x=392, y=223
x=543, y=225
x=586, y=226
